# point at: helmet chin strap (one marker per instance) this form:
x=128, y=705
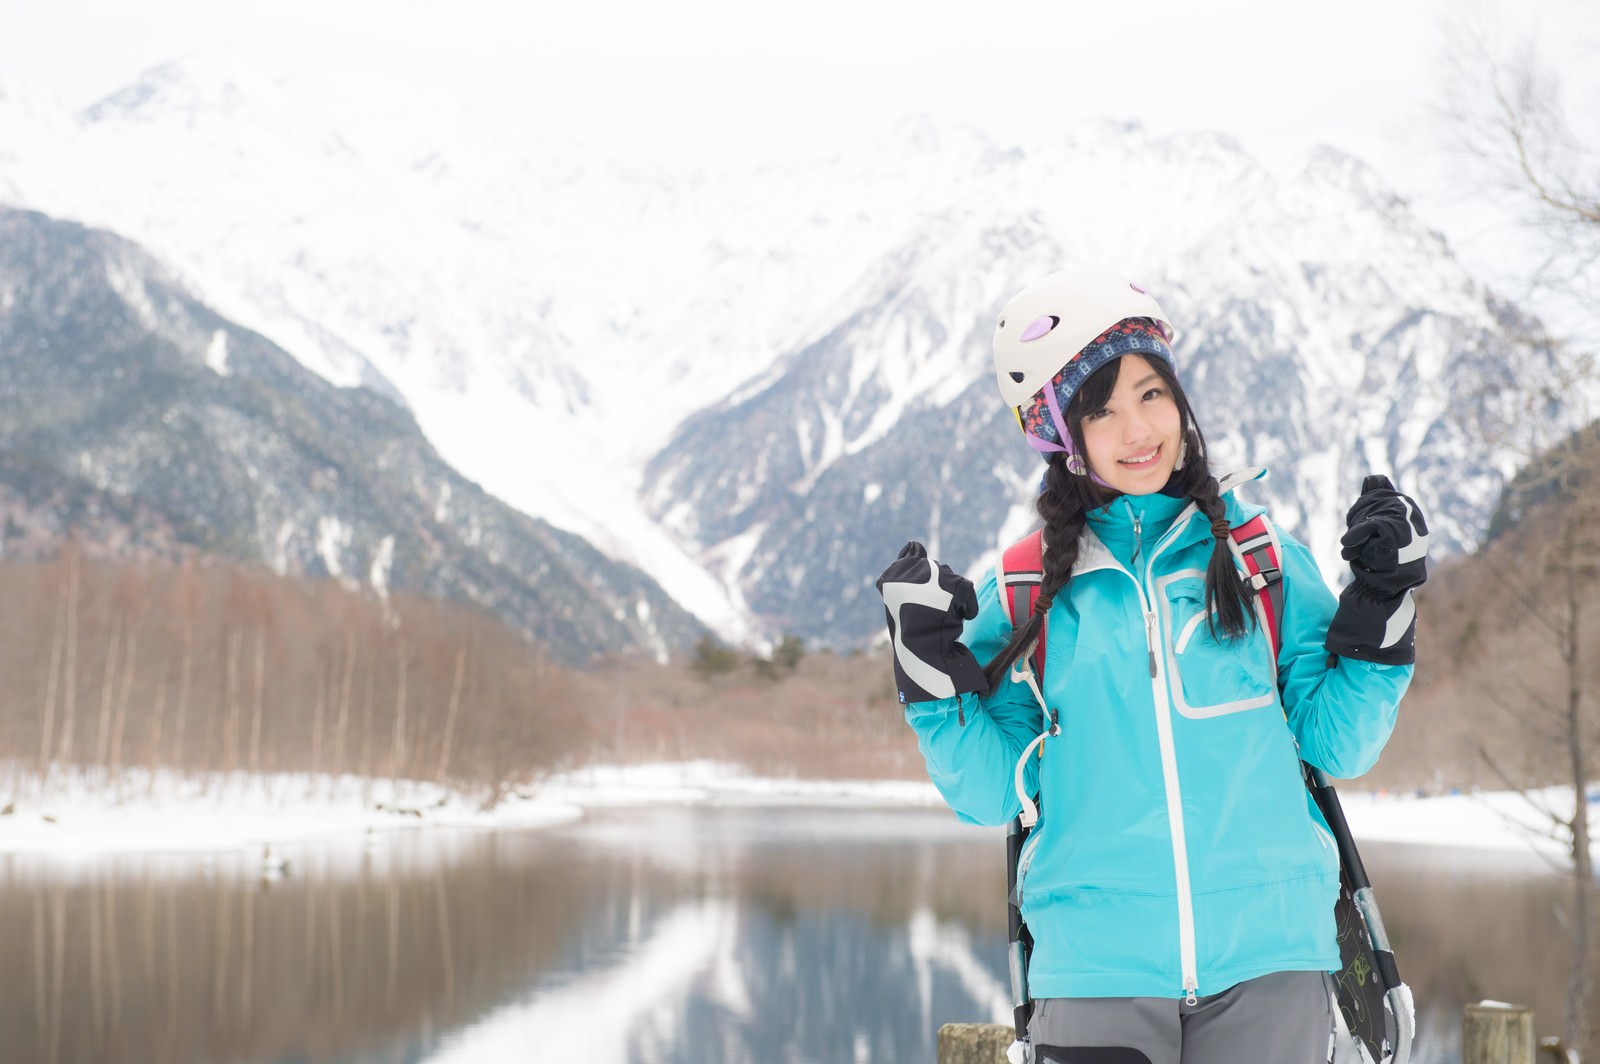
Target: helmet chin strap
x=1075, y=462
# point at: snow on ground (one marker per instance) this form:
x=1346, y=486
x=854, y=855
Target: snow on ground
x=81, y=814
x=1495, y=820
x=76, y=814
x=694, y=782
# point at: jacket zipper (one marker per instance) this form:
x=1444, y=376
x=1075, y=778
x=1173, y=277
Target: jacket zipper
x=1169, y=769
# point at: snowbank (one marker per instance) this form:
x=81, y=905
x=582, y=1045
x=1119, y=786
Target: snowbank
x=711, y=782
x=81, y=814
x=1494, y=820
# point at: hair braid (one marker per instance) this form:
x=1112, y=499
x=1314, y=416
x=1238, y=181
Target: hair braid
x=1227, y=607
x=1064, y=505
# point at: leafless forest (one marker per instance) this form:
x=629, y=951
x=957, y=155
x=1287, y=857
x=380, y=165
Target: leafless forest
x=817, y=715
x=210, y=667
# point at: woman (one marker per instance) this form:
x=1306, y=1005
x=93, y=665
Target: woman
x=1179, y=884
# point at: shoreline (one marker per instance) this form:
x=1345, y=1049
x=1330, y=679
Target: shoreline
x=84, y=816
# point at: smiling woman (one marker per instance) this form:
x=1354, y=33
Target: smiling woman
x=1134, y=440
x=1178, y=886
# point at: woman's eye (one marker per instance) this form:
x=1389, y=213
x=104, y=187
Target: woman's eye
x=1097, y=415
x=1153, y=393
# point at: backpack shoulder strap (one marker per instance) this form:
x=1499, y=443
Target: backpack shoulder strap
x=1256, y=548
x=1020, y=577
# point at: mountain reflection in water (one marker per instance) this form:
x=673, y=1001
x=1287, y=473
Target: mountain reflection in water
x=661, y=935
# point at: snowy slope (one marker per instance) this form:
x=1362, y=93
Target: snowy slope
x=1324, y=333
x=150, y=426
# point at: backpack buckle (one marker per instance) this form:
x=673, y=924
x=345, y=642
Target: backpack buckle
x=1259, y=582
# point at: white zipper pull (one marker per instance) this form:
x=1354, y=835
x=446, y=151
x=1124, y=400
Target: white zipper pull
x=1138, y=536
x=1193, y=989
x=1150, y=640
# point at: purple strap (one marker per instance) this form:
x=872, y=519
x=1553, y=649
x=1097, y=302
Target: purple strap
x=1054, y=404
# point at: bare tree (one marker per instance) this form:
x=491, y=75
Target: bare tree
x=317, y=767
x=1556, y=712
x=119, y=719
x=185, y=600
x=108, y=690
x=57, y=641
x=157, y=725
x=342, y=728
x=1509, y=126
x=1517, y=141
x=230, y=732
x=398, y=754
x=257, y=694
x=450, y=714
x=69, y=686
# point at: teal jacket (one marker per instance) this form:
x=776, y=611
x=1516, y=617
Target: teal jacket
x=1177, y=851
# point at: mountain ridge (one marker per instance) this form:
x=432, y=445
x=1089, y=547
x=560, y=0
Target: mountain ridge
x=610, y=315
x=123, y=392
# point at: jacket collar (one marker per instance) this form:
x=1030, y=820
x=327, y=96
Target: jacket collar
x=1115, y=518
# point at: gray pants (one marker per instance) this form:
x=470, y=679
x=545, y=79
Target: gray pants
x=1283, y=1018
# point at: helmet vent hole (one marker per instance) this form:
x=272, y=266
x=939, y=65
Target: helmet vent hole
x=1039, y=327
x=1017, y=376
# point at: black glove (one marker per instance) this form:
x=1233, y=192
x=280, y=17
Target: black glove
x=1387, y=547
x=926, y=602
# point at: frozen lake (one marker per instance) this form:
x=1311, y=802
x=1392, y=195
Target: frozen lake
x=700, y=934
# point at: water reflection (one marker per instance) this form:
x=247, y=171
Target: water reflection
x=1469, y=925
x=158, y=963
x=646, y=936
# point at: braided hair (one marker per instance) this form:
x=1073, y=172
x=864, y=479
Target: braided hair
x=1066, y=500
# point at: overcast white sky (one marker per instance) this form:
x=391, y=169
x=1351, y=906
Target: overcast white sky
x=711, y=80
x=707, y=75
x=725, y=71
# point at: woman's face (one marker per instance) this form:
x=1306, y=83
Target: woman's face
x=1133, y=441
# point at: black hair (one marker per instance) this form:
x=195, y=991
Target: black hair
x=1066, y=500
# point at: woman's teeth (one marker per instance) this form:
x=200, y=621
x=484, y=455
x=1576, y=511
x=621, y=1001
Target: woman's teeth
x=1142, y=459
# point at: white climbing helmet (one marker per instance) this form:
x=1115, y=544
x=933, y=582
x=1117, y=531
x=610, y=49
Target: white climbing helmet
x=1054, y=334
x=1044, y=326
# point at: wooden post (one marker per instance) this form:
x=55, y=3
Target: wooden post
x=1496, y=1033
x=974, y=1043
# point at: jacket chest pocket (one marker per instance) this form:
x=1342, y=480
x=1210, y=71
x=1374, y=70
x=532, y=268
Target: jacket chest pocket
x=1209, y=676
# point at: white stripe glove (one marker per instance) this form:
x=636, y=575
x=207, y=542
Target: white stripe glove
x=1387, y=547
x=926, y=603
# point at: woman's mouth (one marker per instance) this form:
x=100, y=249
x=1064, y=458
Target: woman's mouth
x=1143, y=460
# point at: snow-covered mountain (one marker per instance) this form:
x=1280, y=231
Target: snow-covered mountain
x=138, y=420
x=757, y=384
x=1323, y=334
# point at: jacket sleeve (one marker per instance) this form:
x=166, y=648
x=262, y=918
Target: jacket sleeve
x=1340, y=711
x=970, y=743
